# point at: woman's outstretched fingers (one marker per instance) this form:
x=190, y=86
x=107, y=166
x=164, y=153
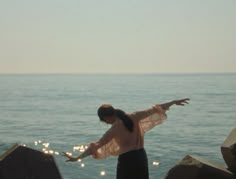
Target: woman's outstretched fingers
x=65, y=154
x=68, y=156
x=182, y=101
x=186, y=100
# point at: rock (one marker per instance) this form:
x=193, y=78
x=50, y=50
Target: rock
x=21, y=162
x=228, y=150
x=193, y=167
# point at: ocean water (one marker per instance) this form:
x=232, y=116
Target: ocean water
x=54, y=113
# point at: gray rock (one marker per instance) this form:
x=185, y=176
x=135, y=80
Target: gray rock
x=193, y=167
x=21, y=162
x=228, y=150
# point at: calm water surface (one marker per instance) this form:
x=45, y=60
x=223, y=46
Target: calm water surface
x=54, y=113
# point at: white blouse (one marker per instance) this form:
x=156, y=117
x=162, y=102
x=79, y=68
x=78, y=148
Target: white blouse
x=118, y=139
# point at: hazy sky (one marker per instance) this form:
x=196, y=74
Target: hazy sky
x=117, y=36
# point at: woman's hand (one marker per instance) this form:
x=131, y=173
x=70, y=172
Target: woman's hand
x=181, y=102
x=86, y=153
x=70, y=158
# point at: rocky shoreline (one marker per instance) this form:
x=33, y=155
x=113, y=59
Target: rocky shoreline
x=194, y=167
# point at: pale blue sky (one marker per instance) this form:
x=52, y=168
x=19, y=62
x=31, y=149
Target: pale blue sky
x=117, y=36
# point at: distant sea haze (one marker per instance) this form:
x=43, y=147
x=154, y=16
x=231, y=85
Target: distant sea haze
x=56, y=113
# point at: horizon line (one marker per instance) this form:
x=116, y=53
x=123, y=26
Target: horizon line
x=112, y=73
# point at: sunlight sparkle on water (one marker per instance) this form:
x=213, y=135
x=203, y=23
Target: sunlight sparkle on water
x=155, y=163
x=102, y=173
x=46, y=145
x=69, y=153
x=80, y=148
x=46, y=151
x=51, y=151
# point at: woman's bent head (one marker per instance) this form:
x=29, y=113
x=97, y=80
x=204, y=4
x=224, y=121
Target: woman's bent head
x=108, y=114
x=105, y=112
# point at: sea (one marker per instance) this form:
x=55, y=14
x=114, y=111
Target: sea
x=53, y=113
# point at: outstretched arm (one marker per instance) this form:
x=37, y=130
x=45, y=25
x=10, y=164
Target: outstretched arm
x=93, y=147
x=74, y=159
x=180, y=102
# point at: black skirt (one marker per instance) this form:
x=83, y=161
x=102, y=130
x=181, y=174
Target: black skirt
x=132, y=165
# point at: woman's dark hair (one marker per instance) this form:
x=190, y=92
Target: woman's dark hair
x=108, y=110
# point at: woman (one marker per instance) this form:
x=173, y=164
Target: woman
x=125, y=138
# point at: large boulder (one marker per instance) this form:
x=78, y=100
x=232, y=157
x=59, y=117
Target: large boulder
x=193, y=167
x=21, y=162
x=228, y=150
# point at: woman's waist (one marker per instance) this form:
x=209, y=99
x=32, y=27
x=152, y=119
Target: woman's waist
x=133, y=152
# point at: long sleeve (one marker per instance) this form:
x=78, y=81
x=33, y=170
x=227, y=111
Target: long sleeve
x=105, y=146
x=150, y=117
x=118, y=139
